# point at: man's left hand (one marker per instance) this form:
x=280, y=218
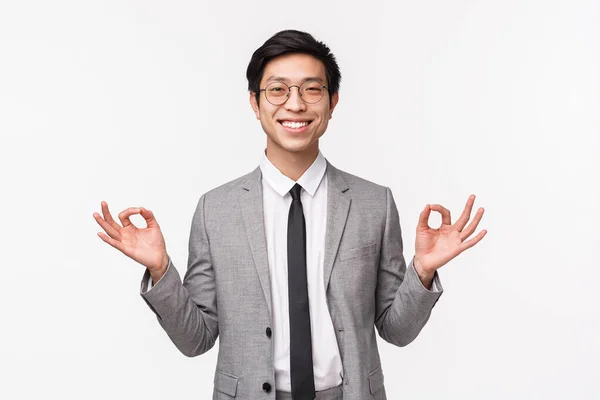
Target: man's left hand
x=435, y=247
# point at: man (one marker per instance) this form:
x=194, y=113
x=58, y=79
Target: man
x=295, y=264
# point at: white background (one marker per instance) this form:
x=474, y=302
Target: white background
x=145, y=103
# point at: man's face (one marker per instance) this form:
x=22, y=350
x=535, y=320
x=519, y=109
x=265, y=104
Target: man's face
x=284, y=124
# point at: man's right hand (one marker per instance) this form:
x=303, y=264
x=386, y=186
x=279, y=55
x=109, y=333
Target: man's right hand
x=144, y=245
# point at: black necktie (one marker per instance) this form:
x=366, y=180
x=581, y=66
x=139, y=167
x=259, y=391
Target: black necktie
x=301, y=364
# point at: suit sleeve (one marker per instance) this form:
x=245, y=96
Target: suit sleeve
x=403, y=304
x=187, y=310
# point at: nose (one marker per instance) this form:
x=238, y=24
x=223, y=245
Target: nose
x=294, y=102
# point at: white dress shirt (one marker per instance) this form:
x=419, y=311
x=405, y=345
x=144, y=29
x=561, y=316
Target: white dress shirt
x=327, y=363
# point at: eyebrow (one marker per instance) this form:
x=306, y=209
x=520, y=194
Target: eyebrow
x=286, y=80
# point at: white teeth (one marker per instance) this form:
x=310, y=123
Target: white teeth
x=294, y=125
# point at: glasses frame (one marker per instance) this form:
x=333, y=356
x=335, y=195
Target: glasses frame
x=289, y=91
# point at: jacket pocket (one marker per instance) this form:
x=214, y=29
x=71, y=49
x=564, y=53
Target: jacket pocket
x=375, y=380
x=347, y=254
x=226, y=383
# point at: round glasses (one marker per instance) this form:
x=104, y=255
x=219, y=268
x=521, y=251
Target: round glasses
x=310, y=92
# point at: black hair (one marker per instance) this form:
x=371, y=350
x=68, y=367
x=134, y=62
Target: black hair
x=292, y=41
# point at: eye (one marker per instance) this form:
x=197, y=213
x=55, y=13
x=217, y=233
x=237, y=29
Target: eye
x=277, y=88
x=313, y=87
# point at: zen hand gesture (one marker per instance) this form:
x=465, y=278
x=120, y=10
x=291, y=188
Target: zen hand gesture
x=144, y=245
x=435, y=247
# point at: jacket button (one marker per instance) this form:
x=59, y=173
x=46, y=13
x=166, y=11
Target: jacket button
x=267, y=387
x=268, y=332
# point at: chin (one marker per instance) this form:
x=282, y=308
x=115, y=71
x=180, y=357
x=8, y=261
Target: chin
x=295, y=146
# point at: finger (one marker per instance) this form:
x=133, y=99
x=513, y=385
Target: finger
x=473, y=241
x=108, y=217
x=466, y=214
x=424, y=218
x=149, y=217
x=112, y=232
x=125, y=214
x=473, y=225
x=444, y=211
x=114, y=243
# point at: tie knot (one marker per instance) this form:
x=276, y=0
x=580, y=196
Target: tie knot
x=295, y=192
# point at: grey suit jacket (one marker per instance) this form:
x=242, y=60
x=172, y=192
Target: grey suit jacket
x=226, y=290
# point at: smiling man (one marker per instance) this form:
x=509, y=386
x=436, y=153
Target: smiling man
x=297, y=103
x=296, y=265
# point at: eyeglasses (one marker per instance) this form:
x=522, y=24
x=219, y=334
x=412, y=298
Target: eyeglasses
x=278, y=93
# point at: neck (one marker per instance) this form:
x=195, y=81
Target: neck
x=291, y=163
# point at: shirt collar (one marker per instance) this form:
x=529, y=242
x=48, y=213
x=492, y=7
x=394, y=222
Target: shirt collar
x=310, y=179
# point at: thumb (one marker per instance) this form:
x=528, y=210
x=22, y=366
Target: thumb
x=149, y=217
x=424, y=218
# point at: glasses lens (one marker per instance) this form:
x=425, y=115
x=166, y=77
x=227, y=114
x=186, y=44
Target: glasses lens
x=276, y=92
x=312, y=91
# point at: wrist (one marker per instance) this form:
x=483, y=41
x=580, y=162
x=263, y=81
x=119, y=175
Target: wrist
x=165, y=262
x=422, y=272
x=157, y=274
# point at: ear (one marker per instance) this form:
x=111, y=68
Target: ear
x=254, y=104
x=334, y=100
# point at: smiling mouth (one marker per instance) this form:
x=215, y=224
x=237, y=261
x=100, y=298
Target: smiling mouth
x=295, y=125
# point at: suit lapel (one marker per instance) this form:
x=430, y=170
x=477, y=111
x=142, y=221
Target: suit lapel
x=251, y=205
x=338, y=205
